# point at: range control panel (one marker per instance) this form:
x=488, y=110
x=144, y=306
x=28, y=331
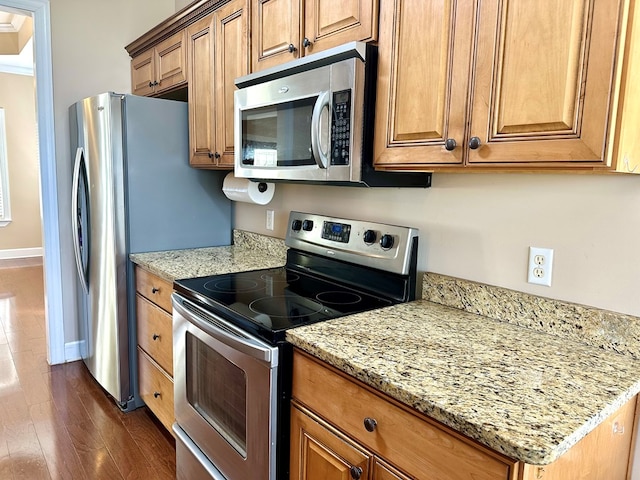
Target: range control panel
x=376, y=245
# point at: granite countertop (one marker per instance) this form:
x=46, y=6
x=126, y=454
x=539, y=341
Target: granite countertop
x=249, y=251
x=524, y=393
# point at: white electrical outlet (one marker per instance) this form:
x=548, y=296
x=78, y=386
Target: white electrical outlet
x=270, y=220
x=540, y=266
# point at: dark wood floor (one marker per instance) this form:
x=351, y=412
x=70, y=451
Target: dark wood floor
x=55, y=422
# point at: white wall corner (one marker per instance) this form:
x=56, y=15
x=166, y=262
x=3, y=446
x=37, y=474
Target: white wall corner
x=72, y=351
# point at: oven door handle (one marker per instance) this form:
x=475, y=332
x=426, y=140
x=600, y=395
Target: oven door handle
x=226, y=333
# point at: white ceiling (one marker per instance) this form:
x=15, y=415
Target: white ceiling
x=22, y=63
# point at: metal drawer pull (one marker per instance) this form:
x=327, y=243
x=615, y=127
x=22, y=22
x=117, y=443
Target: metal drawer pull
x=156, y=336
x=356, y=472
x=155, y=290
x=370, y=424
x=156, y=394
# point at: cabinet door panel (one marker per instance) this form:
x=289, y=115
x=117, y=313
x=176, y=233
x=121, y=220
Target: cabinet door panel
x=232, y=61
x=201, y=128
x=329, y=23
x=534, y=98
x=170, y=62
x=275, y=25
x=382, y=471
x=317, y=453
x=143, y=73
x=423, y=80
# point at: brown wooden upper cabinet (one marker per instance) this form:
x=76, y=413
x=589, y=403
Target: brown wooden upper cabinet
x=283, y=30
x=506, y=84
x=160, y=68
x=218, y=52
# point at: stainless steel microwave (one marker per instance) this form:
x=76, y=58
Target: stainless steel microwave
x=311, y=120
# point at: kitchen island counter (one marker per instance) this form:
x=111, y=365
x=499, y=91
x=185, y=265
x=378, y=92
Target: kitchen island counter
x=526, y=394
x=250, y=251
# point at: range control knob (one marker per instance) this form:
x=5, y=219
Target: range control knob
x=370, y=237
x=307, y=225
x=296, y=225
x=386, y=242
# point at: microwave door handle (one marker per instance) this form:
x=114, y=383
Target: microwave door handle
x=321, y=158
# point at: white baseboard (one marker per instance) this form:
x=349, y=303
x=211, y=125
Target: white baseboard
x=72, y=351
x=20, y=253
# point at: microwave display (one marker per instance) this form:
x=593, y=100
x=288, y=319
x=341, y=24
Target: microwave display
x=278, y=135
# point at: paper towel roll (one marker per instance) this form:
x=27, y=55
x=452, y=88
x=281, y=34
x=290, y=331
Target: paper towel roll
x=244, y=190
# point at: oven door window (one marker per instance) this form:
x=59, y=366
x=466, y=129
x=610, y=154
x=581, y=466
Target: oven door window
x=278, y=135
x=216, y=389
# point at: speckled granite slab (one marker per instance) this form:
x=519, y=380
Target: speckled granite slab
x=250, y=251
x=600, y=328
x=526, y=394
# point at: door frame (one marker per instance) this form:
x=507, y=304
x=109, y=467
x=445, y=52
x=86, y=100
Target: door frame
x=54, y=317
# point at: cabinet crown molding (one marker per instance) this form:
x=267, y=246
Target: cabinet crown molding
x=178, y=21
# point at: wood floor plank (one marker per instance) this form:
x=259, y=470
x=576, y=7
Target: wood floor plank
x=59, y=452
x=56, y=422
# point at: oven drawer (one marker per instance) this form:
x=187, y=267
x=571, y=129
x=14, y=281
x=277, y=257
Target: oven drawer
x=156, y=389
x=155, y=333
x=407, y=440
x=154, y=288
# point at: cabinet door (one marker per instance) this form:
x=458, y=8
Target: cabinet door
x=382, y=471
x=423, y=80
x=318, y=453
x=329, y=23
x=232, y=61
x=275, y=25
x=200, y=37
x=143, y=73
x=170, y=62
x=543, y=75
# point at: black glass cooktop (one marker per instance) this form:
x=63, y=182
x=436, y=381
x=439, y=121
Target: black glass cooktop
x=270, y=301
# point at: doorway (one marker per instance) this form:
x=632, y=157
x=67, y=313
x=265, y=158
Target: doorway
x=39, y=11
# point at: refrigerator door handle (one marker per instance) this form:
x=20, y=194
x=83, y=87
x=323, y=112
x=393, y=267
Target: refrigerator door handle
x=82, y=272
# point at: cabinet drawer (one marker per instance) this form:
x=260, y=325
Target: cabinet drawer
x=154, y=288
x=156, y=389
x=155, y=333
x=421, y=448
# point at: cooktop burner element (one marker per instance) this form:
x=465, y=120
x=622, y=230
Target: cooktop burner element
x=335, y=267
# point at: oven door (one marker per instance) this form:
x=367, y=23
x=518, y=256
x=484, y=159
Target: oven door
x=225, y=393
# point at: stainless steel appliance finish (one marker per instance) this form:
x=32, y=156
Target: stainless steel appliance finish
x=225, y=379
x=232, y=364
x=133, y=191
x=311, y=120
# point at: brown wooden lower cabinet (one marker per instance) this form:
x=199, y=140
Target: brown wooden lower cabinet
x=342, y=429
x=155, y=344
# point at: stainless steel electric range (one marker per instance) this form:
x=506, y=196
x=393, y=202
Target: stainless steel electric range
x=232, y=364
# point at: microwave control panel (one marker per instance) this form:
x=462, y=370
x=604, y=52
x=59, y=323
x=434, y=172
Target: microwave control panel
x=341, y=128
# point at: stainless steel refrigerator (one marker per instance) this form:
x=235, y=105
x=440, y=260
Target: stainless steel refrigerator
x=133, y=191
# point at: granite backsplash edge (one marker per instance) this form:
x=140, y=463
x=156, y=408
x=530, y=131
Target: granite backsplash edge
x=596, y=327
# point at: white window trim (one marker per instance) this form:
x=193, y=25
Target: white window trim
x=5, y=198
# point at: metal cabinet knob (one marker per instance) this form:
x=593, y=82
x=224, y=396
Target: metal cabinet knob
x=156, y=394
x=156, y=336
x=370, y=424
x=216, y=155
x=150, y=84
x=210, y=154
x=155, y=290
x=474, y=143
x=306, y=43
x=450, y=144
x=155, y=83
x=356, y=472
x=292, y=48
